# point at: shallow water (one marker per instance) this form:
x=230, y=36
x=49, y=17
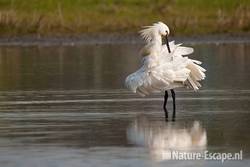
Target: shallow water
x=66, y=106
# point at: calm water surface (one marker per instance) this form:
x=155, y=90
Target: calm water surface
x=67, y=106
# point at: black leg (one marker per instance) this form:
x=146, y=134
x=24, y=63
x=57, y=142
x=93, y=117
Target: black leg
x=173, y=96
x=164, y=105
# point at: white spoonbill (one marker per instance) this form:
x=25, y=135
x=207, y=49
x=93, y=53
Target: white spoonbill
x=163, y=66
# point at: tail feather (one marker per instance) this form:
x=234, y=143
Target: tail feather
x=143, y=90
x=196, y=75
x=192, y=83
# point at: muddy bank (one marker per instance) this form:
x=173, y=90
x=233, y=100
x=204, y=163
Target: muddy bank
x=117, y=39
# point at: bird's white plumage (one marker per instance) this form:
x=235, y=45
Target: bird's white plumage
x=161, y=70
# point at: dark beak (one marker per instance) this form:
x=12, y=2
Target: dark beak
x=169, y=51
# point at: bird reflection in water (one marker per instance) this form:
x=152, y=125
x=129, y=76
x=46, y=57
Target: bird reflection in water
x=163, y=138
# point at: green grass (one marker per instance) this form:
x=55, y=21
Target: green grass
x=72, y=17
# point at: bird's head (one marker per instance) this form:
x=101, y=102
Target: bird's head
x=162, y=28
x=157, y=29
x=164, y=31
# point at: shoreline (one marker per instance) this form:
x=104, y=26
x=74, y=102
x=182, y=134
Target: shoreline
x=99, y=39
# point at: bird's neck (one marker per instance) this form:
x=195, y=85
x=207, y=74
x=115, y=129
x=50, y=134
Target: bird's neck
x=153, y=47
x=157, y=39
x=156, y=42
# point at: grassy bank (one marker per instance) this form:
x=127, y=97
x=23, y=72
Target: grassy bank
x=69, y=17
